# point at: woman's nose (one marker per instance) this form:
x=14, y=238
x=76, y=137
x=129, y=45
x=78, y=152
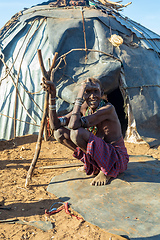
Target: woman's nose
x=92, y=94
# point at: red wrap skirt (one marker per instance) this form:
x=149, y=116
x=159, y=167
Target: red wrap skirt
x=111, y=159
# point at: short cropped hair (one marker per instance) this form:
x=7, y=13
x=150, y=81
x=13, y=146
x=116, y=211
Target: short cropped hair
x=94, y=80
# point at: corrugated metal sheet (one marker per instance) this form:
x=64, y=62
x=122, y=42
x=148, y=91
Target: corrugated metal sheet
x=137, y=28
x=23, y=54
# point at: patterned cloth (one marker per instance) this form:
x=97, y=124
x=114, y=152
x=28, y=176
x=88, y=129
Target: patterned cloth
x=94, y=129
x=111, y=159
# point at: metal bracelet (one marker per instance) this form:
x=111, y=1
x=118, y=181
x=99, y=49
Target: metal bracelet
x=81, y=99
x=52, y=107
x=79, y=102
x=53, y=98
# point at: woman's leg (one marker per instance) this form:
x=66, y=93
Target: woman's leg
x=62, y=135
x=80, y=138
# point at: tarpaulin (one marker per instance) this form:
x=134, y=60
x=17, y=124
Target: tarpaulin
x=88, y=52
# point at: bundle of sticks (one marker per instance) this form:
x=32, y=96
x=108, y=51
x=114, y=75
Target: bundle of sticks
x=113, y=5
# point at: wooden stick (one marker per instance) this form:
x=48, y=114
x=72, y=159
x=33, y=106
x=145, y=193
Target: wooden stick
x=40, y=135
x=127, y=4
x=9, y=220
x=48, y=74
x=62, y=166
x=44, y=72
x=53, y=63
x=39, y=142
x=49, y=63
x=45, y=129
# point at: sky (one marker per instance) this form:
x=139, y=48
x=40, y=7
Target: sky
x=145, y=12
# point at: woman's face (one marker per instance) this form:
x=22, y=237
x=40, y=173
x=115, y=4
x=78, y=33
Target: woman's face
x=92, y=95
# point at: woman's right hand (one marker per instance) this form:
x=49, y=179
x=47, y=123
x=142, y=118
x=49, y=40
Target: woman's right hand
x=48, y=86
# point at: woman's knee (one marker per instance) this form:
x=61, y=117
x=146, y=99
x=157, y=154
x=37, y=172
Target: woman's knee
x=74, y=135
x=59, y=135
x=78, y=135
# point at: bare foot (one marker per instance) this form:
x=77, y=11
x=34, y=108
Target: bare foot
x=80, y=169
x=100, y=179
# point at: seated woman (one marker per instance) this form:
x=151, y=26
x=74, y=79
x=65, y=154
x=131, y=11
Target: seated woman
x=93, y=131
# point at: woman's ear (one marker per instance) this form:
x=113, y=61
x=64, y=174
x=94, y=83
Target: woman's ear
x=104, y=97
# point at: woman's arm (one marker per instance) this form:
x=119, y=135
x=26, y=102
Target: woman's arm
x=75, y=119
x=104, y=113
x=55, y=121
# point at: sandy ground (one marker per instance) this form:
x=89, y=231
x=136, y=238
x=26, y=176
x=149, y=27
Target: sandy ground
x=30, y=204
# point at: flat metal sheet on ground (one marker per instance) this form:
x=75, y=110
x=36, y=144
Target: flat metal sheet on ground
x=128, y=205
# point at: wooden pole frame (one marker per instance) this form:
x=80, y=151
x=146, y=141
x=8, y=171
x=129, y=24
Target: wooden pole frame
x=43, y=121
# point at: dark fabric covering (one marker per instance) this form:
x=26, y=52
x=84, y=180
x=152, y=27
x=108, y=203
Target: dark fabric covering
x=141, y=67
x=70, y=36
x=129, y=205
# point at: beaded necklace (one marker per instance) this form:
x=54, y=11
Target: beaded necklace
x=94, y=129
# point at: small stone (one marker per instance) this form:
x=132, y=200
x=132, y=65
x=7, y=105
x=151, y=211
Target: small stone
x=22, y=148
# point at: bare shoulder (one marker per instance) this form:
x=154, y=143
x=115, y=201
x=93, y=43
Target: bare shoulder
x=107, y=108
x=105, y=113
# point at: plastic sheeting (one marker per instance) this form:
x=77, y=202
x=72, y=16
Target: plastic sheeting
x=61, y=30
x=128, y=206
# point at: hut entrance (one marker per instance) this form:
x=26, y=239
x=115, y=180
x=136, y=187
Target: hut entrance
x=116, y=99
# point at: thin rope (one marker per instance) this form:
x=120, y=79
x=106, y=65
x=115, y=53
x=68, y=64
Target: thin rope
x=65, y=64
x=32, y=93
x=89, y=50
x=17, y=53
x=19, y=95
x=31, y=97
x=19, y=120
x=63, y=57
x=15, y=106
x=152, y=85
x=25, y=89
